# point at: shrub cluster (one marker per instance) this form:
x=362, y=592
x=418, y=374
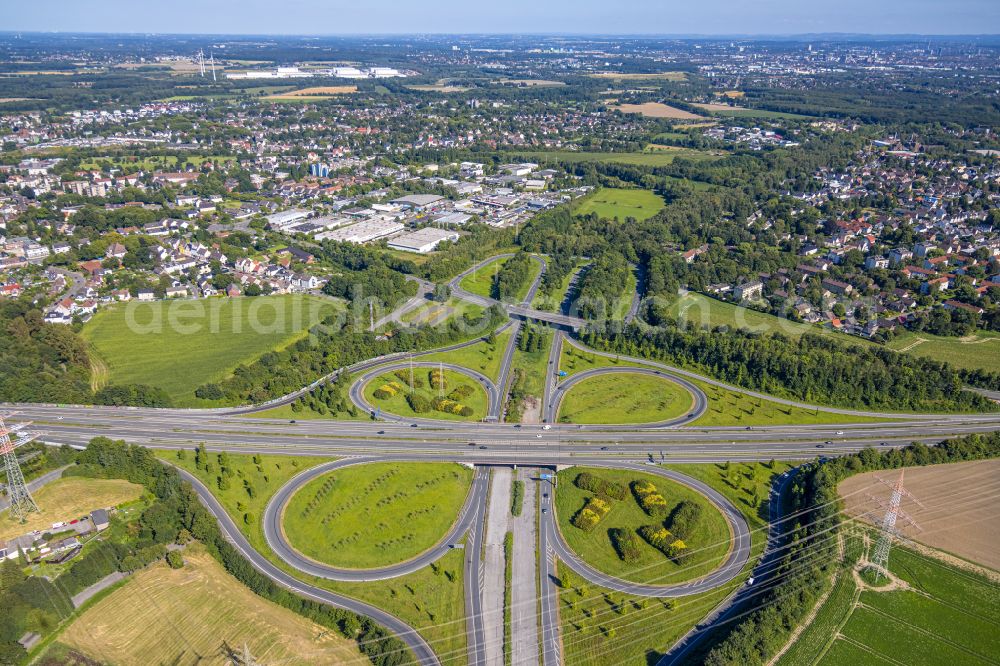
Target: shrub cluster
x=418, y=403
x=461, y=392
x=404, y=376
x=626, y=544
x=600, y=486
x=388, y=390
x=451, y=407
x=649, y=499
x=660, y=538
x=437, y=380
x=593, y=512
x=684, y=519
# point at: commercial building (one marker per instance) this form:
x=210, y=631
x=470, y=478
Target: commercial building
x=423, y=240
x=363, y=232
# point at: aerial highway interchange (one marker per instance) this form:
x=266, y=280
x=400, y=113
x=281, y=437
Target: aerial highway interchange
x=492, y=444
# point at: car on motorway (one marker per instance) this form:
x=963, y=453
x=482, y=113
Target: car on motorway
x=413, y=425
x=380, y=432
x=821, y=446
x=538, y=436
x=483, y=446
x=883, y=444
x=544, y=510
x=546, y=427
x=604, y=448
x=840, y=432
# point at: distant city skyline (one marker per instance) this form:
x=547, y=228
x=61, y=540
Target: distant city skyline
x=635, y=17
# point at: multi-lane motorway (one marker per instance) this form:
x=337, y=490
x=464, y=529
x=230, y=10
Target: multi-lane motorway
x=484, y=444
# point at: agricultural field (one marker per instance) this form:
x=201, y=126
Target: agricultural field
x=707, y=544
x=391, y=393
x=180, y=345
x=929, y=613
x=980, y=350
x=195, y=615
x=651, y=76
x=624, y=398
x=654, y=159
x=376, y=514
x=957, y=509
x=482, y=356
x=618, y=204
x=656, y=110
x=315, y=93
x=67, y=499
x=744, y=112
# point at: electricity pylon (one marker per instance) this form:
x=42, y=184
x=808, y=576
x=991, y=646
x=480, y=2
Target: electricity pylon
x=21, y=502
x=888, y=529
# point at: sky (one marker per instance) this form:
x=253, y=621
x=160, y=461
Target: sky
x=663, y=17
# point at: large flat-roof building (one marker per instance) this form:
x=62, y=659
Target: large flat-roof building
x=363, y=232
x=423, y=240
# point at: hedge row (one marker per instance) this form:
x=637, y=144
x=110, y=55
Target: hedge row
x=651, y=501
x=591, y=514
x=600, y=486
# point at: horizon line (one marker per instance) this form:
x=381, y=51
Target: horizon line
x=646, y=35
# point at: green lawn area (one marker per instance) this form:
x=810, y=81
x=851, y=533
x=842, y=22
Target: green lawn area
x=947, y=616
x=601, y=627
x=705, y=311
x=397, y=404
x=624, y=398
x=981, y=350
x=374, y=515
x=542, y=302
x=708, y=546
x=733, y=408
x=432, y=600
x=480, y=282
x=654, y=159
x=533, y=365
x=573, y=360
x=481, y=357
x=180, y=345
x=615, y=203
x=266, y=473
